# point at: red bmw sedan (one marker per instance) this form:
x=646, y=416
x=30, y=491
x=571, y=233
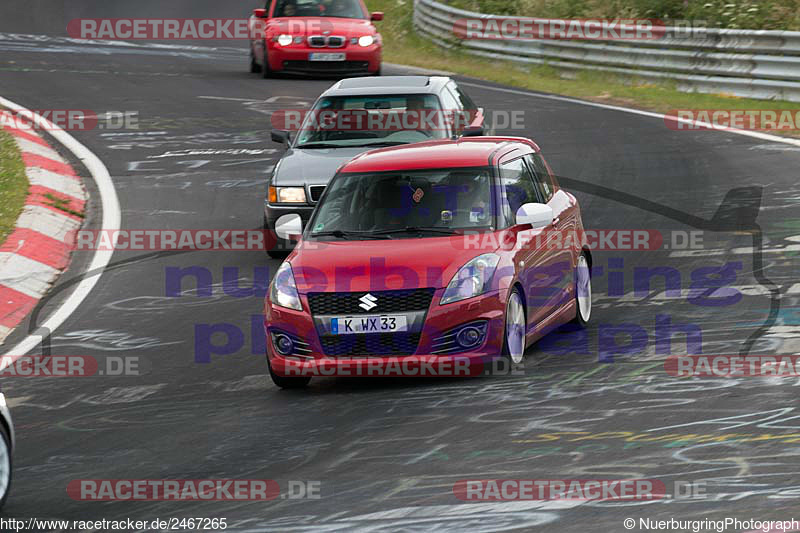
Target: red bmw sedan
x=428, y=253
x=333, y=37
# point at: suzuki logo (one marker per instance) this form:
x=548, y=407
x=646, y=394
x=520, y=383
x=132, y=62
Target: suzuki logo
x=368, y=302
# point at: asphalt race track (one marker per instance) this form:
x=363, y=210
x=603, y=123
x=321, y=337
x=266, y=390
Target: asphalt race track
x=387, y=453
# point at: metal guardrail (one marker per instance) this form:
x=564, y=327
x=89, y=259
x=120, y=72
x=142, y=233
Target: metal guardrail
x=750, y=63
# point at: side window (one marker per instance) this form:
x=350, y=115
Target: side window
x=518, y=188
x=451, y=108
x=542, y=176
x=462, y=97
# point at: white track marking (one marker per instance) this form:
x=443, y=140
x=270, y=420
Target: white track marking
x=112, y=218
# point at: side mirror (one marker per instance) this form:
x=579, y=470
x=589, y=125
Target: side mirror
x=280, y=136
x=260, y=13
x=376, y=16
x=472, y=131
x=537, y=215
x=289, y=227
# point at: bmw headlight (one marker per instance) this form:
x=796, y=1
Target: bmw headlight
x=283, y=291
x=473, y=279
x=366, y=40
x=285, y=40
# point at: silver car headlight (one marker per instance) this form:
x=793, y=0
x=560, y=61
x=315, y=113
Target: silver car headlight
x=288, y=195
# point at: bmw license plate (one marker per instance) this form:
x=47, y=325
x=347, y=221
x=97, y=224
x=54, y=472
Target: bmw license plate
x=368, y=324
x=326, y=56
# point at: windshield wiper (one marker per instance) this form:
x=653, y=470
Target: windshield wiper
x=416, y=229
x=384, y=143
x=342, y=234
x=319, y=145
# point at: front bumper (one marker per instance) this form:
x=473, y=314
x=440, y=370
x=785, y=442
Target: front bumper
x=439, y=320
x=295, y=59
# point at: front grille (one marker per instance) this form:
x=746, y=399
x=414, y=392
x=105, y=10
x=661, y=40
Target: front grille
x=371, y=344
x=317, y=41
x=325, y=66
x=316, y=192
x=347, y=303
x=334, y=41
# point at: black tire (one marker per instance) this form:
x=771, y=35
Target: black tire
x=255, y=68
x=6, y=441
x=579, y=312
x=507, y=356
x=285, y=382
x=378, y=72
x=266, y=72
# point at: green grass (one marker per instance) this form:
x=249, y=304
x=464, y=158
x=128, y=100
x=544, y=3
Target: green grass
x=403, y=45
x=62, y=204
x=13, y=184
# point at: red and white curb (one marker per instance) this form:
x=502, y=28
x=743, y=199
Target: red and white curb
x=38, y=250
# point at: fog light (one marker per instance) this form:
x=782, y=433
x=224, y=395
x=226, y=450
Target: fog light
x=283, y=344
x=469, y=337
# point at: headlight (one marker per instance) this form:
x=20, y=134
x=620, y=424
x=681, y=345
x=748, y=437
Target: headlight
x=285, y=40
x=283, y=291
x=366, y=40
x=473, y=279
x=287, y=195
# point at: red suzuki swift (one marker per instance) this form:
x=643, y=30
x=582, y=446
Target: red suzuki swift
x=425, y=254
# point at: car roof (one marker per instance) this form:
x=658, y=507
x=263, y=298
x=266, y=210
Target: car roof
x=388, y=85
x=446, y=153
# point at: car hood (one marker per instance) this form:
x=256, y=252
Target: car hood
x=355, y=266
x=315, y=167
x=318, y=25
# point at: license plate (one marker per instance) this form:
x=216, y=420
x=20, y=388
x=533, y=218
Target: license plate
x=325, y=56
x=368, y=324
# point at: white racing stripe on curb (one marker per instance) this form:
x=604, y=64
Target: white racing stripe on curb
x=58, y=182
x=47, y=222
x=651, y=114
x=37, y=149
x=25, y=275
x=112, y=217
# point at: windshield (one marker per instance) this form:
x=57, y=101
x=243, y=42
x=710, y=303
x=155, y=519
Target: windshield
x=350, y=9
x=404, y=204
x=341, y=121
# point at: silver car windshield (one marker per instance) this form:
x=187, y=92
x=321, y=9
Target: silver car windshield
x=342, y=121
